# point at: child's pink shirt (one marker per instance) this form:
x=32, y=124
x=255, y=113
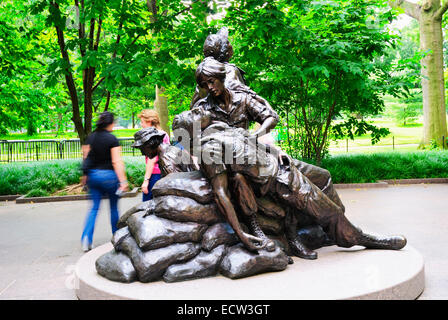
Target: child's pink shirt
x=156, y=169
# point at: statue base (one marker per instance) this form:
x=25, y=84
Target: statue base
x=338, y=273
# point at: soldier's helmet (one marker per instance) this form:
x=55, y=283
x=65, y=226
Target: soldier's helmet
x=149, y=136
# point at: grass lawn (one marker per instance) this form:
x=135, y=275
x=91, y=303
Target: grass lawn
x=405, y=138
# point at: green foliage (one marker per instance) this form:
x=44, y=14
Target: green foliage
x=292, y=147
x=433, y=146
x=409, y=42
x=316, y=60
x=111, y=54
x=135, y=170
x=313, y=60
x=24, y=101
x=413, y=107
x=37, y=193
x=46, y=177
x=127, y=107
x=179, y=98
x=405, y=111
x=445, y=43
x=353, y=127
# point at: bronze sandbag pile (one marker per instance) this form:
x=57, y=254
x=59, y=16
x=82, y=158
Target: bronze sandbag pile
x=185, y=184
x=146, y=206
x=180, y=235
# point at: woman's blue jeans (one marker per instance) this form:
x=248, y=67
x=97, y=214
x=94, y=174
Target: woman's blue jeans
x=152, y=181
x=101, y=182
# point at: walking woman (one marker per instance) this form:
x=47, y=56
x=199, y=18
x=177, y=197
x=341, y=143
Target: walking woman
x=150, y=118
x=104, y=172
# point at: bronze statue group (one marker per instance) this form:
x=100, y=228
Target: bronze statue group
x=246, y=176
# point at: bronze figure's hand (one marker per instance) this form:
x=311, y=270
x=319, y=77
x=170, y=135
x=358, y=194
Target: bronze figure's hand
x=251, y=242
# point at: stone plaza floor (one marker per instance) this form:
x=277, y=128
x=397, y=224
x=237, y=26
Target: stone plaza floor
x=40, y=243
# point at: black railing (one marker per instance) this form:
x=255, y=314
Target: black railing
x=37, y=150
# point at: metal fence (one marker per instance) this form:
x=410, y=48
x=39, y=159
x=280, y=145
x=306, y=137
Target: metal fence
x=38, y=150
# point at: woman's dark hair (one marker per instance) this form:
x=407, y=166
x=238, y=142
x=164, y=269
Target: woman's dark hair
x=210, y=67
x=105, y=119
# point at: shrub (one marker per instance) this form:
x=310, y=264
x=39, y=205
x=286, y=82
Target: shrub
x=361, y=168
x=37, y=193
x=46, y=177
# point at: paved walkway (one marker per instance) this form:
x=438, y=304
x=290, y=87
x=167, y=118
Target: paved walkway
x=39, y=243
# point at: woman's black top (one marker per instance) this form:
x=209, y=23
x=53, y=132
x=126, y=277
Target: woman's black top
x=99, y=156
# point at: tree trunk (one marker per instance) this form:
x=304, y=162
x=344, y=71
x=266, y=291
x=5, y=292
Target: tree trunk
x=161, y=106
x=59, y=124
x=88, y=107
x=429, y=15
x=433, y=87
x=31, y=128
x=133, y=120
x=161, y=102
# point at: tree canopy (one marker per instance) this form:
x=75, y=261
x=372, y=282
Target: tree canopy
x=25, y=102
x=314, y=61
x=317, y=60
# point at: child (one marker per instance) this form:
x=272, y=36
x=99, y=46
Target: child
x=150, y=118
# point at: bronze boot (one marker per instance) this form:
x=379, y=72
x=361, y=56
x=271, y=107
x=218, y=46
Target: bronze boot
x=381, y=242
x=300, y=250
x=296, y=245
x=257, y=231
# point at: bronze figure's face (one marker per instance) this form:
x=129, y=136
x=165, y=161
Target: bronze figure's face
x=186, y=119
x=149, y=150
x=213, y=85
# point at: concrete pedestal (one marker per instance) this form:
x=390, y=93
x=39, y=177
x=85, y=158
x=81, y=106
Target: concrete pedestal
x=338, y=273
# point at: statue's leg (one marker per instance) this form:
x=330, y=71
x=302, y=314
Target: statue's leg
x=321, y=178
x=297, y=247
x=245, y=196
x=313, y=236
x=222, y=198
x=303, y=195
